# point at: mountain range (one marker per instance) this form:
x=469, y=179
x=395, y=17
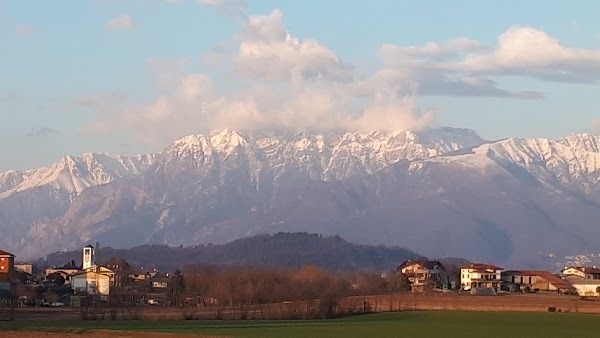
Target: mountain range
x=439, y=192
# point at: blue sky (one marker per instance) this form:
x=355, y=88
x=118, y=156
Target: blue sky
x=131, y=76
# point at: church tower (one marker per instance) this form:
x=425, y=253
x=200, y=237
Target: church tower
x=88, y=256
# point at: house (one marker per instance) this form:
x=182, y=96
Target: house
x=421, y=273
x=24, y=267
x=90, y=278
x=92, y=281
x=65, y=271
x=159, y=282
x=578, y=272
x=534, y=280
x=481, y=278
x=587, y=287
x=7, y=268
x=103, y=270
x=137, y=277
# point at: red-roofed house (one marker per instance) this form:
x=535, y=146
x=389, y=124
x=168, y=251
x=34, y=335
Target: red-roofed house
x=480, y=276
x=585, y=279
x=581, y=272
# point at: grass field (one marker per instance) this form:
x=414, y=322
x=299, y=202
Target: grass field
x=399, y=324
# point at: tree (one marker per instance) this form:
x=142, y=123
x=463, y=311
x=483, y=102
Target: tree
x=450, y=275
x=56, y=279
x=401, y=282
x=118, y=264
x=176, y=287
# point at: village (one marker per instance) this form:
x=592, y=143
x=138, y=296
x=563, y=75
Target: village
x=71, y=284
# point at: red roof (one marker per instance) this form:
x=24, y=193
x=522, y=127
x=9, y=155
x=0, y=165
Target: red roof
x=558, y=283
x=586, y=269
x=481, y=266
x=4, y=253
x=528, y=272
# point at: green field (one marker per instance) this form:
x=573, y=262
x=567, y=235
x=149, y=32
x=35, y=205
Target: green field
x=400, y=324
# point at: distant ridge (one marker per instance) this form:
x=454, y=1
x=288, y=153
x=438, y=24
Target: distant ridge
x=281, y=250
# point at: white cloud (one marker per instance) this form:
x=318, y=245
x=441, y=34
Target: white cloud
x=230, y=7
x=268, y=51
x=531, y=52
x=283, y=81
x=432, y=51
x=120, y=22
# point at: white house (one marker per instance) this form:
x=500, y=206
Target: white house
x=581, y=272
x=477, y=276
x=91, y=282
x=587, y=287
x=92, y=279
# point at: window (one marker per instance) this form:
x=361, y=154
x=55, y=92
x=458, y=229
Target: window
x=2, y=267
x=2, y=259
x=494, y=276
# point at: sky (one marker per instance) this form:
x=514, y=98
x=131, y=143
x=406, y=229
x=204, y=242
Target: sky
x=130, y=77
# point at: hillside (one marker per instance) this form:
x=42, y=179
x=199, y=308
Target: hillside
x=282, y=250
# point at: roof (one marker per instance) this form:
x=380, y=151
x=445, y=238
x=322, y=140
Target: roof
x=4, y=253
x=84, y=272
x=66, y=267
x=89, y=246
x=586, y=282
x=481, y=266
x=423, y=262
x=558, y=283
x=547, y=276
x=585, y=269
x=528, y=272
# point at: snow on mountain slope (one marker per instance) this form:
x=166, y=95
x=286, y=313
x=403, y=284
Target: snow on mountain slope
x=319, y=155
x=74, y=174
x=572, y=162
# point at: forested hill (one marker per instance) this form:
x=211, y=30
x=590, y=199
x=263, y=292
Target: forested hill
x=281, y=250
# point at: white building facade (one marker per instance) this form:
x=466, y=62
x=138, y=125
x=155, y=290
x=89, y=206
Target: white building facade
x=478, y=275
x=91, y=282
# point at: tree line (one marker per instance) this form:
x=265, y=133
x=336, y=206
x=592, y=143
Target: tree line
x=310, y=291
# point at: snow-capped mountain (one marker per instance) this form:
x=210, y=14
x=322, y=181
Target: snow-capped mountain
x=206, y=164
x=441, y=192
x=74, y=173
x=41, y=195
x=571, y=163
x=320, y=156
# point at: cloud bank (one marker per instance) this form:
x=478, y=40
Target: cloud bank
x=284, y=81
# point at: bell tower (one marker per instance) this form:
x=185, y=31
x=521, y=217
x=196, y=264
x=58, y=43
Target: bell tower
x=88, y=256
